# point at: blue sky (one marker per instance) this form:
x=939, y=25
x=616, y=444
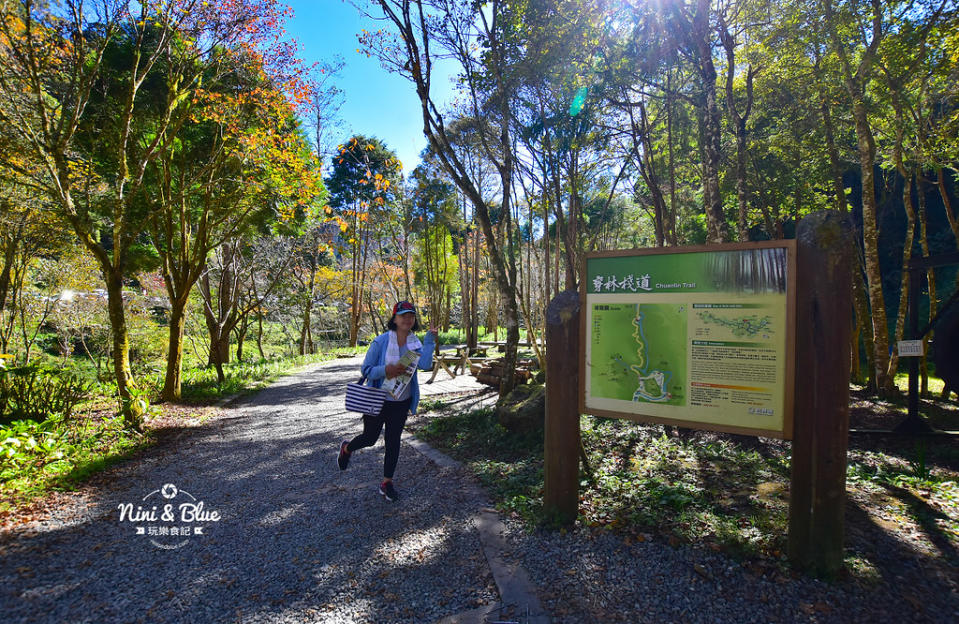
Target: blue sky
x=377, y=103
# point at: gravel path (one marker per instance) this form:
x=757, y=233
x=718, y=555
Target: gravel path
x=297, y=541
x=593, y=575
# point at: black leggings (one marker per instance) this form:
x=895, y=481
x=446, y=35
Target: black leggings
x=393, y=415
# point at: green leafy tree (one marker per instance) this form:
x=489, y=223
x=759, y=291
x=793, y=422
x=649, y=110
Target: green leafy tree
x=81, y=86
x=362, y=185
x=437, y=264
x=238, y=162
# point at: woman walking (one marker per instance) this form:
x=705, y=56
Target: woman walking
x=380, y=364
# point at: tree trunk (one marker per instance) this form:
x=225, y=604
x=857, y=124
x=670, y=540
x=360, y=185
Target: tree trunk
x=947, y=203
x=259, y=335
x=172, y=384
x=717, y=230
x=219, y=351
x=696, y=32
x=572, y=229
x=306, y=330
x=855, y=81
x=863, y=325
x=241, y=331
x=547, y=282
x=835, y=166
x=870, y=234
x=671, y=221
x=132, y=409
x=9, y=285
x=643, y=152
x=739, y=126
x=359, y=282
x=930, y=278
x=10, y=244
x=474, y=322
x=904, y=284
x=861, y=307
x=742, y=220
x=466, y=289
x=214, y=329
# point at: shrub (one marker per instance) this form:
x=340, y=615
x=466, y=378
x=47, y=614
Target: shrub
x=30, y=393
x=148, y=342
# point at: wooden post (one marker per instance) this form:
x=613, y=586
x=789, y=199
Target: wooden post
x=821, y=415
x=562, y=443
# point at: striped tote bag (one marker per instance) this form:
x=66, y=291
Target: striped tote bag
x=364, y=399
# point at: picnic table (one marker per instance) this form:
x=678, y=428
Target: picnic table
x=501, y=344
x=456, y=356
x=457, y=359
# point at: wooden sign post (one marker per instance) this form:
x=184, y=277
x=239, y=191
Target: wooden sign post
x=562, y=437
x=807, y=369
x=821, y=413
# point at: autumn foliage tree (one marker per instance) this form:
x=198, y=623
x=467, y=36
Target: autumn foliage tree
x=98, y=91
x=238, y=160
x=361, y=184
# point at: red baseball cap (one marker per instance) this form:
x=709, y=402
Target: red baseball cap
x=403, y=307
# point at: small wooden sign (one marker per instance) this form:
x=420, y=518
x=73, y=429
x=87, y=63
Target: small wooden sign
x=910, y=348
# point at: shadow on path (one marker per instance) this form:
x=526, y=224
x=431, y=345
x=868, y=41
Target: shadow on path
x=298, y=540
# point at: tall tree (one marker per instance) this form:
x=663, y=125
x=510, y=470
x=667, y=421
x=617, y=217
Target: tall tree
x=362, y=183
x=77, y=86
x=472, y=35
x=239, y=160
x=864, y=31
x=694, y=20
x=738, y=113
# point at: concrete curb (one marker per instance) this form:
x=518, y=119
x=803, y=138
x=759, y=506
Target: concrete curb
x=517, y=593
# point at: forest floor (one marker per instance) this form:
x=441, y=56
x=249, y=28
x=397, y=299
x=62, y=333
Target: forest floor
x=704, y=497
x=729, y=494
x=903, y=487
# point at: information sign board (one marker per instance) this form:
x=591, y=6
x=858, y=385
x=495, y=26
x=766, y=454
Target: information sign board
x=909, y=348
x=700, y=337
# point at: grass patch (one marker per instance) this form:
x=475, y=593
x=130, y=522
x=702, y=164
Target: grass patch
x=509, y=466
x=458, y=335
x=643, y=480
x=728, y=492
x=58, y=454
x=911, y=485
x=201, y=384
x=693, y=487
x=935, y=384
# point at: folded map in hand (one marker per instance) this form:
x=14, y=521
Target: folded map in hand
x=397, y=386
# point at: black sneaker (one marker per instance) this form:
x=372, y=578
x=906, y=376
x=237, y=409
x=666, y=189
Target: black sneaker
x=343, y=459
x=387, y=490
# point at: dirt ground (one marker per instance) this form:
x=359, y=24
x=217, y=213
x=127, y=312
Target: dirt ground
x=903, y=530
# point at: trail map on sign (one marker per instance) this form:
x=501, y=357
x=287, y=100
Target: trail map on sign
x=700, y=337
x=639, y=352
x=751, y=326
